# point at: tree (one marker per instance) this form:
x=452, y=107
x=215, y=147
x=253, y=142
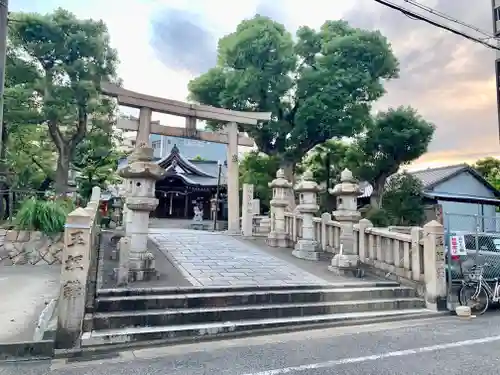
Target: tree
x=489, y=168
x=70, y=57
x=259, y=170
x=317, y=88
x=392, y=139
x=326, y=161
x=96, y=157
x=28, y=153
x=403, y=200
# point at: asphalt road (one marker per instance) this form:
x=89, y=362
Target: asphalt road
x=436, y=346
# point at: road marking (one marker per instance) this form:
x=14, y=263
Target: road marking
x=375, y=357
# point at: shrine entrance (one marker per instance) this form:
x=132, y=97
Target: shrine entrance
x=145, y=126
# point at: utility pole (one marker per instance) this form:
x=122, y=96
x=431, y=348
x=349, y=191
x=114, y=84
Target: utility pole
x=4, y=11
x=495, y=7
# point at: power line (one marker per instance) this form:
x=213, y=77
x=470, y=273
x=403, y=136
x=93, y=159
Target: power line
x=449, y=18
x=419, y=17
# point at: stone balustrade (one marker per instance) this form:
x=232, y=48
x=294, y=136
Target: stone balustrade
x=410, y=255
x=78, y=271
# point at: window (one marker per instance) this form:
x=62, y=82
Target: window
x=156, y=144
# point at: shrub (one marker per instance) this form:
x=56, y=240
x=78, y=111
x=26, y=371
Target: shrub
x=48, y=217
x=379, y=217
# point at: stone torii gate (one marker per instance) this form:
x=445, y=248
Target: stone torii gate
x=144, y=127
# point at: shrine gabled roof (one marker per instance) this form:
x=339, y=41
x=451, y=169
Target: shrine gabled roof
x=178, y=164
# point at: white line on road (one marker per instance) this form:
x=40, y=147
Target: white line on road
x=375, y=357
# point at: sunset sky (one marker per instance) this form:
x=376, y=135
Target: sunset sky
x=450, y=80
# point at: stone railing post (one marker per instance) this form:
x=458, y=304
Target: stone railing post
x=278, y=237
x=434, y=266
x=415, y=253
x=325, y=219
x=74, y=274
x=363, y=239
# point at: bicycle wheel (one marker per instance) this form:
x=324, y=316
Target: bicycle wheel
x=478, y=301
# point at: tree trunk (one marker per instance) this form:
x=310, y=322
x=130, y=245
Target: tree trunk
x=62, y=172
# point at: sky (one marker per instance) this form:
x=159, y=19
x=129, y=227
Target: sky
x=162, y=44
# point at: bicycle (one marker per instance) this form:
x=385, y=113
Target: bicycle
x=481, y=293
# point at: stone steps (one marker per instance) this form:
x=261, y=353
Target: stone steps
x=173, y=334
x=214, y=299
x=135, y=315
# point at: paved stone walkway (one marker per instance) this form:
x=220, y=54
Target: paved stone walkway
x=215, y=259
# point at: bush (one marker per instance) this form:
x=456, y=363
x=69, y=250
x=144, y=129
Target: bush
x=379, y=217
x=44, y=216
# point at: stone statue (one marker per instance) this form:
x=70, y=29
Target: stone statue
x=198, y=213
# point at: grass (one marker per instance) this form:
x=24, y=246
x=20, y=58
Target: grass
x=45, y=216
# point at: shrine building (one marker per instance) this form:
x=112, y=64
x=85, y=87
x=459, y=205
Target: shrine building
x=191, y=180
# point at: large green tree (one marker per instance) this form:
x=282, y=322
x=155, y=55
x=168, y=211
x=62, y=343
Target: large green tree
x=28, y=153
x=318, y=87
x=96, y=158
x=69, y=58
x=392, y=139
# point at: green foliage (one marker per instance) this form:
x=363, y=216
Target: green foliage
x=490, y=169
x=402, y=200
x=259, y=169
x=392, y=139
x=96, y=157
x=379, y=217
x=48, y=217
x=198, y=158
x=326, y=161
x=317, y=88
x=66, y=59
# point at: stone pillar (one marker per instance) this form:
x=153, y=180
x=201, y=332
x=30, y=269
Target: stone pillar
x=141, y=174
x=347, y=214
x=233, y=193
x=75, y=268
x=362, y=244
x=247, y=210
x=277, y=237
x=256, y=206
x=124, y=266
x=434, y=266
x=307, y=247
x=144, y=129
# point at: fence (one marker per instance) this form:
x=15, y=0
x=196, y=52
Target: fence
x=11, y=200
x=471, y=240
x=396, y=251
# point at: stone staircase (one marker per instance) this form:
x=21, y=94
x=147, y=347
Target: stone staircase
x=129, y=316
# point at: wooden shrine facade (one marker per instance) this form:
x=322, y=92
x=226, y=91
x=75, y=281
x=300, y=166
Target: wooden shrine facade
x=189, y=183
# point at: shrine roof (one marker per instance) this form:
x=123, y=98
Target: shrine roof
x=193, y=172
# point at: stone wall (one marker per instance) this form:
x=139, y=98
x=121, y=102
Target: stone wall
x=18, y=247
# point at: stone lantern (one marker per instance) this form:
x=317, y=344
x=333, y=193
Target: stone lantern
x=347, y=214
x=281, y=187
x=307, y=247
x=141, y=175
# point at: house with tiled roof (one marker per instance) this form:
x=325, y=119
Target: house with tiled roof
x=465, y=199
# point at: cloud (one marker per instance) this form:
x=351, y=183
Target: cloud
x=448, y=78
x=181, y=42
